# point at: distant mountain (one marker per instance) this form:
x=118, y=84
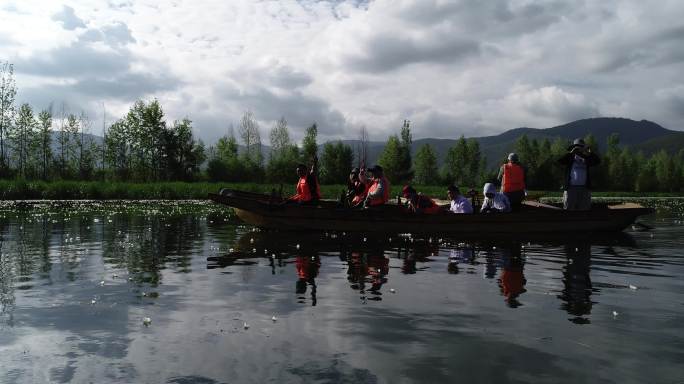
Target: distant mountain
x=640, y=135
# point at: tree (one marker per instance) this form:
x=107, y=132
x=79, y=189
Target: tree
x=118, y=149
x=22, y=138
x=284, y=154
x=362, y=147
x=390, y=159
x=8, y=91
x=405, y=163
x=309, y=145
x=336, y=162
x=45, y=141
x=456, y=163
x=86, y=148
x=475, y=163
x=426, y=166
x=249, y=133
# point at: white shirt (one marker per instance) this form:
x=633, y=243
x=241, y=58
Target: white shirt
x=499, y=202
x=461, y=205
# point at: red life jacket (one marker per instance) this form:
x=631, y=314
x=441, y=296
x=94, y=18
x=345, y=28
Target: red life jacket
x=513, y=178
x=379, y=200
x=303, y=190
x=425, y=204
x=362, y=192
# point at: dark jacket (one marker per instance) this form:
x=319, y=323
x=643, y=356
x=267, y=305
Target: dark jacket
x=591, y=159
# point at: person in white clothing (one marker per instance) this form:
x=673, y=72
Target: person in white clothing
x=459, y=203
x=494, y=201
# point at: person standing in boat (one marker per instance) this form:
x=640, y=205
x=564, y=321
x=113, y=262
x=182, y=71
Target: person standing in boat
x=459, y=203
x=308, y=189
x=578, y=160
x=357, y=188
x=419, y=203
x=494, y=201
x=379, y=190
x=513, y=177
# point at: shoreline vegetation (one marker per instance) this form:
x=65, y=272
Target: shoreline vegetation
x=54, y=153
x=105, y=190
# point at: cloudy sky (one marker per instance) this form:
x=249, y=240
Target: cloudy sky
x=451, y=67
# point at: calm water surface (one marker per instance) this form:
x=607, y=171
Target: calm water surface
x=227, y=303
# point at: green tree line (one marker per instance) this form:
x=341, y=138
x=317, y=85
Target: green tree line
x=143, y=146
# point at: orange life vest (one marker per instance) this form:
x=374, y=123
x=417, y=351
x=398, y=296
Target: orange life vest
x=513, y=178
x=379, y=200
x=425, y=204
x=360, y=195
x=303, y=190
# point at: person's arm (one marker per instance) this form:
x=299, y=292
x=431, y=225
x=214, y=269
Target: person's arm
x=566, y=159
x=485, y=205
x=592, y=159
x=501, y=172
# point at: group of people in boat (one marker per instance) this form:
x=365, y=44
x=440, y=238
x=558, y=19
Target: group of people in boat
x=371, y=188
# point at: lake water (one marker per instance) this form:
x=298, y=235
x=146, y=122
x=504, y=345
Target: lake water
x=185, y=293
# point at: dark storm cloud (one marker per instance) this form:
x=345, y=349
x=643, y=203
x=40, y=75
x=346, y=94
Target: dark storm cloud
x=286, y=77
x=644, y=50
x=78, y=59
x=448, y=32
x=68, y=18
x=485, y=18
x=389, y=52
x=84, y=57
x=299, y=110
x=113, y=35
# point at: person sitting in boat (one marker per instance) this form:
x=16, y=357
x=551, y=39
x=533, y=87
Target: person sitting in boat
x=379, y=190
x=308, y=189
x=513, y=177
x=419, y=203
x=357, y=188
x=494, y=201
x=577, y=194
x=459, y=203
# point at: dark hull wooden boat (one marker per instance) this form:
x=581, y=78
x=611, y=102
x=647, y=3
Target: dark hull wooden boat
x=272, y=213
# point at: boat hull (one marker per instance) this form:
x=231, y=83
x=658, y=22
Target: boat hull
x=271, y=213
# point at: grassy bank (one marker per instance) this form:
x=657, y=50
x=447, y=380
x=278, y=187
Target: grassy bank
x=98, y=190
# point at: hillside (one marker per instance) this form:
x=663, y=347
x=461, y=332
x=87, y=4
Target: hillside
x=644, y=135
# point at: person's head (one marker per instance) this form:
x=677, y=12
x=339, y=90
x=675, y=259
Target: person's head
x=577, y=145
x=513, y=157
x=453, y=192
x=489, y=190
x=301, y=170
x=354, y=174
x=408, y=192
x=375, y=171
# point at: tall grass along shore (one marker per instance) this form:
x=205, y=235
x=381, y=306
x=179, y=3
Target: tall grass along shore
x=100, y=190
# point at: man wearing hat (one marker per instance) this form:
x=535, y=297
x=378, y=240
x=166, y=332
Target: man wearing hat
x=578, y=160
x=379, y=190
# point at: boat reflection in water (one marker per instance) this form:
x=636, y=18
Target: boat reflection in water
x=369, y=261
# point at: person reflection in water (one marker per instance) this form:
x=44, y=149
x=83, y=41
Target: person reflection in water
x=370, y=269
x=577, y=289
x=463, y=253
x=307, y=271
x=512, y=280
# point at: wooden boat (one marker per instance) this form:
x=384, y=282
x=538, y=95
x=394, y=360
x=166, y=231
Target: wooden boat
x=271, y=212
